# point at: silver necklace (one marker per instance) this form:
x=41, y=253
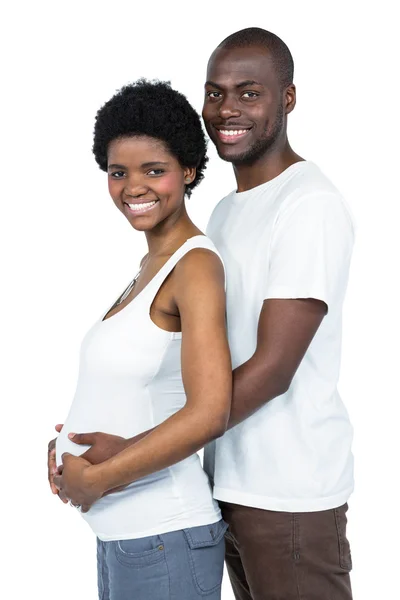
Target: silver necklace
x=130, y=287
x=128, y=290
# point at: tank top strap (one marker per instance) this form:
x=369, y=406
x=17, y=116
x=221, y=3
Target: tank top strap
x=197, y=241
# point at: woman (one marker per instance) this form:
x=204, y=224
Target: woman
x=156, y=367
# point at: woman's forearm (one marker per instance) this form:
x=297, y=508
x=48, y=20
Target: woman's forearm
x=175, y=439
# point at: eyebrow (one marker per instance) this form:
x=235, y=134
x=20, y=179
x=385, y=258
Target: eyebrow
x=213, y=84
x=116, y=167
x=153, y=163
x=238, y=85
x=143, y=165
x=248, y=82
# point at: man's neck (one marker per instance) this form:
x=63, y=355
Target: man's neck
x=266, y=168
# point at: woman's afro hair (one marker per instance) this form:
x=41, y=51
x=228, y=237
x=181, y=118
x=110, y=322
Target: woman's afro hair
x=154, y=109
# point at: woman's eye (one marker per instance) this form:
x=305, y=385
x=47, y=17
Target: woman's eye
x=117, y=174
x=156, y=172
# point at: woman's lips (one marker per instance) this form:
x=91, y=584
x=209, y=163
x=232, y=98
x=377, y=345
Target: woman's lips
x=138, y=208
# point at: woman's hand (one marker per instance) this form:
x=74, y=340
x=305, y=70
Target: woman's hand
x=76, y=480
x=52, y=467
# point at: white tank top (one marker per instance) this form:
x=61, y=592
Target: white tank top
x=130, y=381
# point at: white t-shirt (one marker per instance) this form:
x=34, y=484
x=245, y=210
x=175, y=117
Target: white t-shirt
x=130, y=380
x=291, y=237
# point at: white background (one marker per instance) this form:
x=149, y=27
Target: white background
x=67, y=252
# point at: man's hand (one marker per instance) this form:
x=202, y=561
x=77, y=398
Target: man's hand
x=75, y=481
x=52, y=467
x=103, y=445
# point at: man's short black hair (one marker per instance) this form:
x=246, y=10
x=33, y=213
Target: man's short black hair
x=154, y=109
x=255, y=36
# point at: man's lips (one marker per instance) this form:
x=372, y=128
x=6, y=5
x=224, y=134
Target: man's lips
x=231, y=134
x=136, y=208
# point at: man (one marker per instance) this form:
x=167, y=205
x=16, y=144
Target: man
x=283, y=472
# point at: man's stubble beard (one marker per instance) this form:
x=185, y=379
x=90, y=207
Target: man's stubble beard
x=262, y=146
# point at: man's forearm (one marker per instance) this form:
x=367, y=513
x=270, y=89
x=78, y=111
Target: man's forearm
x=254, y=384
x=138, y=437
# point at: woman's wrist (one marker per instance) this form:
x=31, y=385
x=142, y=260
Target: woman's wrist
x=97, y=478
x=104, y=476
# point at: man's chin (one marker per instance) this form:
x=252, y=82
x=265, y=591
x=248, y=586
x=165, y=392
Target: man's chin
x=230, y=157
x=247, y=158
x=237, y=159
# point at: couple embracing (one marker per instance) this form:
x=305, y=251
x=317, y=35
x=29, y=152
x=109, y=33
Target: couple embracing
x=228, y=341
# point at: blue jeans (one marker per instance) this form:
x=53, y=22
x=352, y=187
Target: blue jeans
x=180, y=565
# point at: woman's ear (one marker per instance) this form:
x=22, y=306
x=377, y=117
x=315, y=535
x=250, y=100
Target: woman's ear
x=189, y=174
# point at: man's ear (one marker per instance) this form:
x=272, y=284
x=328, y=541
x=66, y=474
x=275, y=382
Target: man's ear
x=290, y=98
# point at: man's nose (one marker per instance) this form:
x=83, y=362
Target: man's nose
x=229, y=108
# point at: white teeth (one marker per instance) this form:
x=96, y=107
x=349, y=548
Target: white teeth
x=141, y=206
x=233, y=131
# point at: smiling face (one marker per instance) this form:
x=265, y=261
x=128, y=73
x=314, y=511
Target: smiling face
x=146, y=182
x=245, y=106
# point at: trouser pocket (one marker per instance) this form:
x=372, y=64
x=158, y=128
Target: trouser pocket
x=344, y=546
x=139, y=553
x=206, y=549
x=138, y=569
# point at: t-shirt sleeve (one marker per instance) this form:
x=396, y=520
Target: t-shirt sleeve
x=311, y=248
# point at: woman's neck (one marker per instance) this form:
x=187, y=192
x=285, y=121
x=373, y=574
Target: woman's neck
x=169, y=236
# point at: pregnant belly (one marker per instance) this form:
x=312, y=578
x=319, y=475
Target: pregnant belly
x=124, y=428
x=63, y=444
x=125, y=411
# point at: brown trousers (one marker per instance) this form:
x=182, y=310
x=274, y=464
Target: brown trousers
x=287, y=556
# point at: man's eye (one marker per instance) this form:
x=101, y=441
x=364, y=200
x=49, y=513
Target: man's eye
x=250, y=95
x=117, y=174
x=213, y=95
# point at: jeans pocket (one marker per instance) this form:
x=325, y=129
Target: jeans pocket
x=140, y=552
x=206, y=548
x=344, y=546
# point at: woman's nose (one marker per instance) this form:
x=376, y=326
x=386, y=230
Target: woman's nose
x=135, y=186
